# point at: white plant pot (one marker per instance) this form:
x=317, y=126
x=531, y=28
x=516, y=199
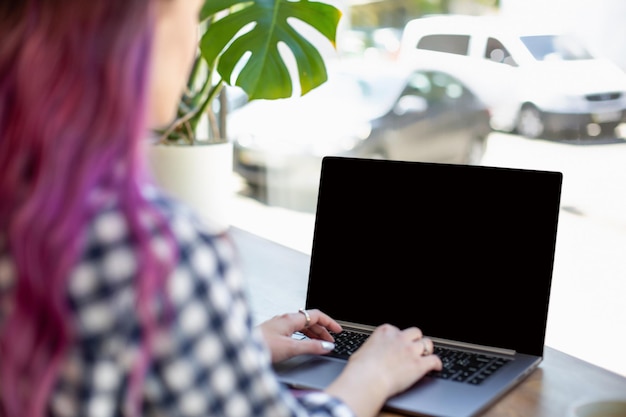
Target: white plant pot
x=200, y=176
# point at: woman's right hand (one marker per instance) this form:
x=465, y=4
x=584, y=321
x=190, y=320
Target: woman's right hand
x=390, y=361
x=400, y=357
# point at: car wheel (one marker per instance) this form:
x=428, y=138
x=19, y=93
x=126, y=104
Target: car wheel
x=475, y=151
x=530, y=122
x=608, y=129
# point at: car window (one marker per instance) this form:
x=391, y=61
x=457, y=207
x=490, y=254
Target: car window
x=452, y=44
x=497, y=52
x=439, y=89
x=553, y=47
x=378, y=92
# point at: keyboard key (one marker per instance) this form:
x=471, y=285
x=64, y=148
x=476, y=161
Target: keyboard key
x=462, y=366
x=347, y=342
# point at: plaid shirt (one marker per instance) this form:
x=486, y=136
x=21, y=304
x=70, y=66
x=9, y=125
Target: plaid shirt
x=211, y=361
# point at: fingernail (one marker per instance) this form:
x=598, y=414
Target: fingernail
x=328, y=345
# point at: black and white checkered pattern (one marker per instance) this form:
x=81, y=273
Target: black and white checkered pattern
x=210, y=362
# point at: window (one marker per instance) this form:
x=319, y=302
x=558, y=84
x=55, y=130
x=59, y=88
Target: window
x=566, y=121
x=565, y=48
x=452, y=44
x=496, y=52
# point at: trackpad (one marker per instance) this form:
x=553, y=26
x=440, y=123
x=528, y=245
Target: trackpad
x=310, y=371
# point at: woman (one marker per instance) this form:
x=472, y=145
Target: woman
x=114, y=299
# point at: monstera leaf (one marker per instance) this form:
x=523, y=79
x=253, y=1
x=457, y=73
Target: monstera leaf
x=239, y=47
x=265, y=74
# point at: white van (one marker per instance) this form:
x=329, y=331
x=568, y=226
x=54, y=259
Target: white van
x=536, y=81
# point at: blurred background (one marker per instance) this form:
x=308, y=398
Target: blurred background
x=545, y=90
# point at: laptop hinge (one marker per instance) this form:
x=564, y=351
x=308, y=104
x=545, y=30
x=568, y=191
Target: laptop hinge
x=438, y=341
x=463, y=345
x=346, y=325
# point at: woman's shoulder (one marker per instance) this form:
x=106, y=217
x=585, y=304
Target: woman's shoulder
x=110, y=220
x=113, y=220
x=190, y=230
x=177, y=211
x=111, y=238
x=202, y=246
x=109, y=264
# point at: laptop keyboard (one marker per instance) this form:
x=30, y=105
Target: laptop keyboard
x=458, y=365
x=462, y=366
x=347, y=342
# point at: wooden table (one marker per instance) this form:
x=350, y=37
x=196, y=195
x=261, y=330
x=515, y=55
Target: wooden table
x=277, y=277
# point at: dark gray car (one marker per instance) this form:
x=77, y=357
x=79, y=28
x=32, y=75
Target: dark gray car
x=373, y=111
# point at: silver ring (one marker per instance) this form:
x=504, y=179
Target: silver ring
x=306, y=315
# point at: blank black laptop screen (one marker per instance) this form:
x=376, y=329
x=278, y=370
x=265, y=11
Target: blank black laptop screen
x=463, y=252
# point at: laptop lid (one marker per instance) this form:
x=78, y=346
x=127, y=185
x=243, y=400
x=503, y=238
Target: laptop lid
x=463, y=252
x=447, y=248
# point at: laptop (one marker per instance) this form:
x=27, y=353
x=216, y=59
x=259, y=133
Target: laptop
x=465, y=253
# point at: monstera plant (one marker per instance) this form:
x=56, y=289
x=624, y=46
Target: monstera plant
x=240, y=46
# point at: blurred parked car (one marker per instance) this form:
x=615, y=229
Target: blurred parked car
x=536, y=80
x=364, y=110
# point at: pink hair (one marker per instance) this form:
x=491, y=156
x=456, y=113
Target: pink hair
x=73, y=99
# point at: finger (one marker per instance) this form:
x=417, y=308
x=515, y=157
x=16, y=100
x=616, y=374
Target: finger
x=433, y=362
x=290, y=322
x=428, y=346
x=307, y=318
x=325, y=320
x=296, y=322
x=318, y=332
x=318, y=318
x=312, y=347
x=413, y=333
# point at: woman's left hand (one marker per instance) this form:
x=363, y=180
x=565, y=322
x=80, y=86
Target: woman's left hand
x=314, y=324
